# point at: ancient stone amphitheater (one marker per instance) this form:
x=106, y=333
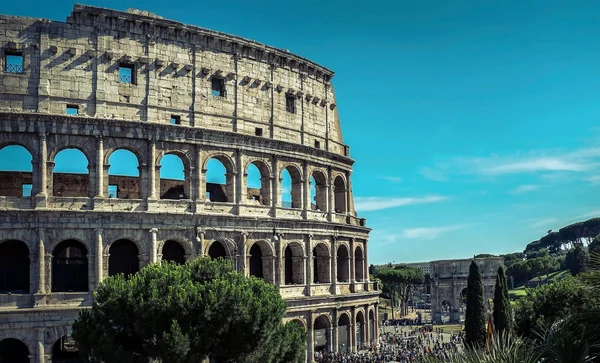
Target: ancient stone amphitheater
x=107, y=83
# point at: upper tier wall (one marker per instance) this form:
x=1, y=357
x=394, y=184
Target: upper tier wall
x=77, y=63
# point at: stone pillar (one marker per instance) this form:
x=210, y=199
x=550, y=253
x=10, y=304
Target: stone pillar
x=333, y=265
x=152, y=170
x=278, y=259
x=331, y=195
x=200, y=177
x=352, y=327
x=352, y=273
x=41, y=255
x=40, y=351
x=100, y=168
x=242, y=259
x=99, y=256
x=376, y=316
x=276, y=200
x=308, y=270
x=331, y=332
x=347, y=194
x=153, y=245
x=366, y=331
x=200, y=242
x=335, y=333
x=43, y=170
x=366, y=276
x=242, y=178
x=310, y=341
x=306, y=201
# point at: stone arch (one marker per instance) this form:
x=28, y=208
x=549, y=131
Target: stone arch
x=264, y=195
x=295, y=175
x=174, y=187
x=321, y=264
x=187, y=245
x=372, y=324
x=359, y=264
x=173, y=251
x=216, y=192
x=16, y=160
x=72, y=184
x=123, y=258
x=65, y=350
x=13, y=351
x=27, y=140
x=340, y=191
x=343, y=263
x=127, y=182
x=319, y=199
x=360, y=330
x=114, y=146
x=260, y=260
x=221, y=248
x=322, y=333
x=343, y=328
x=70, y=266
x=14, y=267
x=294, y=263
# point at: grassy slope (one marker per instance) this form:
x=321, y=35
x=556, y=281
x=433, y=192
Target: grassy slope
x=522, y=291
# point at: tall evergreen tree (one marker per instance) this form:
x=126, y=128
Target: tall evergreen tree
x=475, y=314
x=502, y=308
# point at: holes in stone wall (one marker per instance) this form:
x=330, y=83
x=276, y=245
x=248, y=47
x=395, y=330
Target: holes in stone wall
x=321, y=264
x=14, y=267
x=339, y=186
x=16, y=171
x=219, y=181
x=358, y=264
x=173, y=251
x=124, y=175
x=291, y=187
x=343, y=264
x=318, y=191
x=70, y=267
x=70, y=174
x=217, y=250
x=13, y=350
x=123, y=258
x=173, y=183
x=259, y=183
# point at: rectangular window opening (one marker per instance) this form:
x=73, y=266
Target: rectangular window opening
x=13, y=62
x=258, y=131
x=27, y=190
x=218, y=87
x=317, y=144
x=113, y=191
x=126, y=73
x=175, y=120
x=290, y=103
x=72, y=110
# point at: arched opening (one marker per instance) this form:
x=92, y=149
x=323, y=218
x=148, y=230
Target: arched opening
x=371, y=326
x=321, y=261
x=16, y=171
x=217, y=250
x=258, y=184
x=360, y=330
x=339, y=186
x=294, y=264
x=343, y=266
x=291, y=187
x=261, y=261
x=359, y=266
x=300, y=323
x=124, y=175
x=219, y=180
x=318, y=197
x=463, y=299
x=14, y=267
x=344, y=333
x=69, y=267
x=70, y=176
x=174, y=181
x=123, y=258
x=322, y=332
x=446, y=311
x=13, y=351
x=173, y=251
x=65, y=351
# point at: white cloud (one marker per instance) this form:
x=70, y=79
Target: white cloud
x=433, y=174
x=544, y=222
x=392, y=179
x=594, y=179
x=591, y=214
x=525, y=188
x=429, y=232
x=536, y=164
x=365, y=204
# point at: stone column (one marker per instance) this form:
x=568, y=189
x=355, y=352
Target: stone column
x=242, y=256
x=278, y=260
x=240, y=190
x=347, y=194
x=100, y=168
x=276, y=200
x=335, y=333
x=200, y=242
x=306, y=202
x=39, y=335
x=41, y=255
x=99, y=256
x=352, y=273
x=332, y=332
x=152, y=170
x=331, y=194
x=352, y=327
x=376, y=316
x=333, y=265
x=43, y=170
x=310, y=340
x=200, y=176
x=366, y=276
x=308, y=270
x=366, y=331
x=153, y=245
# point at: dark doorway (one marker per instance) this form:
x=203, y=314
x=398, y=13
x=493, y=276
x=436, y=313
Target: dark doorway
x=256, y=264
x=289, y=269
x=321, y=334
x=13, y=351
x=342, y=264
x=123, y=258
x=217, y=250
x=173, y=251
x=70, y=267
x=344, y=334
x=14, y=267
x=65, y=351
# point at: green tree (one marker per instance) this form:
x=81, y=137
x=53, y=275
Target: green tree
x=475, y=314
x=398, y=284
x=577, y=259
x=184, y=313
x=594, y=246
x=502, y=308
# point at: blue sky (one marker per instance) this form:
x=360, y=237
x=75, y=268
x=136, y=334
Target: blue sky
x=475, y=124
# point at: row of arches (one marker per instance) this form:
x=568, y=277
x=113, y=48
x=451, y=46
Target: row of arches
x=72, y=177
x=14, y=350
x=323, y=332
x=70, y=259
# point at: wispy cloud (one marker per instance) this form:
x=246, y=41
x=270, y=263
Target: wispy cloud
x=365, y=204
x=594, y=179
x=392, y=179
x=546, y=222
x=525, y=188
x=429, y=232
x=433, y=174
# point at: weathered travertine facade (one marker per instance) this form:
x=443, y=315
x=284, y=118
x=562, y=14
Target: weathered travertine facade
x=156, y=87
x=449, y=283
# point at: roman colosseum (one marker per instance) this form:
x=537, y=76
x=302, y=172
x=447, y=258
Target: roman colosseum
x=114, y=90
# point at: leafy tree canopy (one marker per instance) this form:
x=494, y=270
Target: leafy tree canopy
x=184, y=313
x=577, y=259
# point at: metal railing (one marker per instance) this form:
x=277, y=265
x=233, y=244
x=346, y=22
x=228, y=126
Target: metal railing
x=125, y=79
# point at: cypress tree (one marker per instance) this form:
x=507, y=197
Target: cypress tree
x=502, y=308
x=475, y=314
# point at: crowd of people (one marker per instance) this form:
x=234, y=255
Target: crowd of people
x=400, y=345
